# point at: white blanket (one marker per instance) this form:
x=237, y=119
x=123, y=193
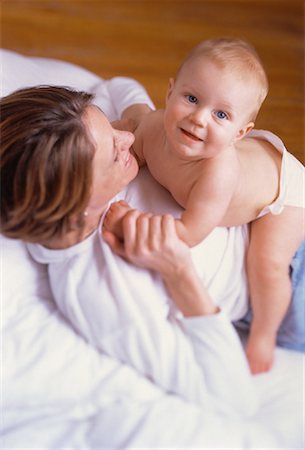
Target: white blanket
x=58, y=392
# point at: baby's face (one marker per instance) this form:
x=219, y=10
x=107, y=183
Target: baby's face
x=208, y=109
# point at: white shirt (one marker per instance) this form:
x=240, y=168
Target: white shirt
x=124, y=312
x=59, y=392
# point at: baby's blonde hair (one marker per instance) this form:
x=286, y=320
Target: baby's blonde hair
x=236, y=55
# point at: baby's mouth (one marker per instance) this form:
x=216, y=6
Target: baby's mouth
x=191, y=136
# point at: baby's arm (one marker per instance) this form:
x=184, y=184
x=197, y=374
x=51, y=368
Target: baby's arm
x=140, y=116
x=136, y=112
x=206, y=205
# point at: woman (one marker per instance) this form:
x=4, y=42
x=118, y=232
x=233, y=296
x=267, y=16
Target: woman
x=61, y=164
x=62, y=210
x=45, y=121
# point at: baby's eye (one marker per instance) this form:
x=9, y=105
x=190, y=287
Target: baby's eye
x=192, y=98
x=221, y=115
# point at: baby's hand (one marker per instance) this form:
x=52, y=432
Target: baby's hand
x=125, y=124
x=113, y=219
x=131, y=117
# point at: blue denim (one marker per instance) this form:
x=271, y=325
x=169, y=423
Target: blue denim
x=291, y=333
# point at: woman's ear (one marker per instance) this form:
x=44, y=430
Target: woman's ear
x=244, y=131
x=170, y=88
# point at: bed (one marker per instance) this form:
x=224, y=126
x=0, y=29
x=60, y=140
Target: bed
x=58, y=391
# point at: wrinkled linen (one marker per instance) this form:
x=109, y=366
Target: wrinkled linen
x=59, y=391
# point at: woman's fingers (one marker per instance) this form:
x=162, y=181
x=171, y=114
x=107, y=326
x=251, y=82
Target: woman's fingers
x=114, y=243
x=150, y=241
x=155, y=234
x=130, y=228
x=124, y=248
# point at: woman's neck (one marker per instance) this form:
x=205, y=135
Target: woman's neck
x=74, y=236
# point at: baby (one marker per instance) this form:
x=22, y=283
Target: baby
x=191, y=148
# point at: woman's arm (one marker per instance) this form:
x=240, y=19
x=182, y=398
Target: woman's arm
x=152, y=242
x=129, y=97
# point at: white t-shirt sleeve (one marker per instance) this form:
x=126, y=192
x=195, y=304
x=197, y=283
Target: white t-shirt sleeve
x=122, y=311
x=219, y=352
x=125, y=92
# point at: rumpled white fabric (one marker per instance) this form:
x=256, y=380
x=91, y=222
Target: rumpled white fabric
x=292, y=176
x=59, y=392
x=124, y=312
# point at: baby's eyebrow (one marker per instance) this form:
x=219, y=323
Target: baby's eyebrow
x=186, y=86
x=227, y=106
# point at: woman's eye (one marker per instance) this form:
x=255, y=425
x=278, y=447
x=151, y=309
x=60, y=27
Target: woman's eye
x=221, y=115
x=192, y=98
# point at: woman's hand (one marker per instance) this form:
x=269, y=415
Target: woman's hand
x=151, y=242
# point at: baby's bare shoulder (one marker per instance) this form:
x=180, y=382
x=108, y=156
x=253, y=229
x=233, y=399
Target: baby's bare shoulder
x=152, y=120
x=218, y=177
x=152, y=131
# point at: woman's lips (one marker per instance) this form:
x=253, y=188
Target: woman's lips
x=130, y=159
x=127, y=162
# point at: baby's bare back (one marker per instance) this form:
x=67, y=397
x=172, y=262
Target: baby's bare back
x=258, y=186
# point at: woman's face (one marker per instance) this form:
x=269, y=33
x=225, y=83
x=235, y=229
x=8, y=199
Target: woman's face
x=113, y=164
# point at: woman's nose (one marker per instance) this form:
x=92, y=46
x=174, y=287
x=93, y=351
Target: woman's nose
x=126, y=139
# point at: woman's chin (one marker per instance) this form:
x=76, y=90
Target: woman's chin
x=133, y=168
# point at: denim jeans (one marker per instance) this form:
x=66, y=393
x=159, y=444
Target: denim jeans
x=291, y=333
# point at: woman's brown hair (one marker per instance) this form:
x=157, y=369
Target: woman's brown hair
x=46, y=161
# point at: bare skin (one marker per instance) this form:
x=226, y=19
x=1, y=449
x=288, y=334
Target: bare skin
x=152, y=242
x=275, y=291
x=198, y=149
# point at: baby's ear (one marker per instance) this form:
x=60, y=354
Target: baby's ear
x=244, y=131
x=170, y=88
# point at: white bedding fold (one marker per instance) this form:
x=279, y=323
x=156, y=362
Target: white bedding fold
x=59, y=392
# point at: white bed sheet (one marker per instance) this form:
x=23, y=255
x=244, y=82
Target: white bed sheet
x=58, y=392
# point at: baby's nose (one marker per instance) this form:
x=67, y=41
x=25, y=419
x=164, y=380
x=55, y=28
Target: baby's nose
x=200, y=117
